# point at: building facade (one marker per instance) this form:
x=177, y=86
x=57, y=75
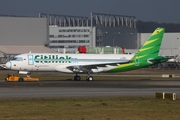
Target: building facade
x=67, y=33
x=68, y=39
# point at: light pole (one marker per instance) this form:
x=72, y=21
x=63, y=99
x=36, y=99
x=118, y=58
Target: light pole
x=113, y=40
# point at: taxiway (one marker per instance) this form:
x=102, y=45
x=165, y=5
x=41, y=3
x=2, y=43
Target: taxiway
x=101, y=88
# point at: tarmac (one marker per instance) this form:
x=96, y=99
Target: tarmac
x=97, y=88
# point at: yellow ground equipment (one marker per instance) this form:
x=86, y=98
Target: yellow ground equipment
x=19, y=79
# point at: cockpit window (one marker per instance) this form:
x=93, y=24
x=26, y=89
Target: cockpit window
x=17, y=59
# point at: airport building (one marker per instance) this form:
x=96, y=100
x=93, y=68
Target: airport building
x=67, y=33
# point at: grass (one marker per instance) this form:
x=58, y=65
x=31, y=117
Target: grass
x=112, y=108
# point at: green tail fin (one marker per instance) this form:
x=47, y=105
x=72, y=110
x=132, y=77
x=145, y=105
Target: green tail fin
x=152, y=46
x=147, y=55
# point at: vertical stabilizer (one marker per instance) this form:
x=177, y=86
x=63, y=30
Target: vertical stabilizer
x=147, y=55
x=152, y=46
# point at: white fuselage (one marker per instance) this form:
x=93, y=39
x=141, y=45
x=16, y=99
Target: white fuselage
x=60, y=62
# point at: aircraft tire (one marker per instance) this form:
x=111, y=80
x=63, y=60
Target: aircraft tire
x=21, y=79
x=89, y=78
x=77, y=78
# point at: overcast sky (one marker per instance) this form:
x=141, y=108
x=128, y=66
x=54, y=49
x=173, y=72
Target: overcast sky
x=146, y=10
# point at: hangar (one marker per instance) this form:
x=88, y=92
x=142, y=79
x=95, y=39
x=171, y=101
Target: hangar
x=70, y=32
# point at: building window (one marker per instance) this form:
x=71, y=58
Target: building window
x=86, y=41
x=61, y=41
x=83, y=41
x=72, y=47
x=86, y=35
x=69, y=41
x=56, y=46
x=61, y=46
x=75, y=30
x=53, y=41
x=51, y=35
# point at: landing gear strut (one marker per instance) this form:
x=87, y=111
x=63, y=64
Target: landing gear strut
x=28, y=74
x=89, y=78
x=78, y=78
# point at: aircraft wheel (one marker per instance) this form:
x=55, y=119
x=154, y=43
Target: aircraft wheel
x=77, y=78
x=21, y=79
x=89, y=78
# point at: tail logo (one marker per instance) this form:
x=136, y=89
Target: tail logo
x=137, y=60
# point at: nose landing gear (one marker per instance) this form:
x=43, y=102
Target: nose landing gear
x=89, y=78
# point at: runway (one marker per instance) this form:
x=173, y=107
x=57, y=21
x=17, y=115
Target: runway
x=101, y=88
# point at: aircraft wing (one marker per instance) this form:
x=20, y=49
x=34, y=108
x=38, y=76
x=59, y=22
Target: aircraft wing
x=87, y=68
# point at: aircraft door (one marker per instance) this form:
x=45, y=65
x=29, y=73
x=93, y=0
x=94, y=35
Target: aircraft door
x=30, y=60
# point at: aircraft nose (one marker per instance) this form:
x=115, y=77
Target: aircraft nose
x=8, y=65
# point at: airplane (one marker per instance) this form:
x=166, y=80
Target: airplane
x=147, y=55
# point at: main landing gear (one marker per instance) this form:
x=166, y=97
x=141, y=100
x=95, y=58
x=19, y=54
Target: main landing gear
x=78, y=78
